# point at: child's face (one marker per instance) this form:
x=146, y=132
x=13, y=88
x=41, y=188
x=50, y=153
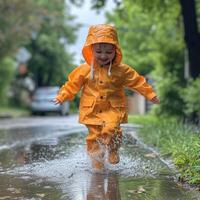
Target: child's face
x=104, y=53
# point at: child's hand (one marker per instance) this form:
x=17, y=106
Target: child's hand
x=56, y=101
x=155, y=100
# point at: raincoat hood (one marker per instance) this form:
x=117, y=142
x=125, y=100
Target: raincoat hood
x=103, y=33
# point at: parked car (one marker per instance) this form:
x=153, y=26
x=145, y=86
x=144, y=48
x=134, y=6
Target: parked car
x=42, y=101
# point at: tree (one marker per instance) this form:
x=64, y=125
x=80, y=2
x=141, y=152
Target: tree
x=45, y=28
x=148, y=38
x=18, y=19
x=6, y=71
x=152, y=42
x=50, y=61
x=191, y=31
x=192, y=35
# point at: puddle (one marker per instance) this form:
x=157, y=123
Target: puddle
x=56, y=166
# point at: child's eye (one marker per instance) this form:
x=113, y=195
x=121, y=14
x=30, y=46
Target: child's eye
x=98, y=51
x=109, y=52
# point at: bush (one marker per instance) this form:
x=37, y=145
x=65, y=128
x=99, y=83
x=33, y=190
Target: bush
x=191, y=98
x=169, y=93
x=7, y=73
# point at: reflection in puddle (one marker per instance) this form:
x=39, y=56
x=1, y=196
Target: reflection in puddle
x=103, y=187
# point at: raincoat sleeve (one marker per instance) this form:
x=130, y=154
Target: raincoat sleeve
x=136, y=82
x=73, y=85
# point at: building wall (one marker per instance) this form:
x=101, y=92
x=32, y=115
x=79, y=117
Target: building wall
x=137, y=104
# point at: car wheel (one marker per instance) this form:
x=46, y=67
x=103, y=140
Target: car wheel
x=63, y=112
x=64, y=109
x=34, y=113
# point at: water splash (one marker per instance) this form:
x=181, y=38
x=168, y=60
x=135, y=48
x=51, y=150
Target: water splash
x=71, y=173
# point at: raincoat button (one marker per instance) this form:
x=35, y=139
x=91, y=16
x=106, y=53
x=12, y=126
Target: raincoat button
x=100, y=111
x=101, y=82
x=101, y=97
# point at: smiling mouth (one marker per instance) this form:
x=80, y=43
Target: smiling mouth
x=105, y=62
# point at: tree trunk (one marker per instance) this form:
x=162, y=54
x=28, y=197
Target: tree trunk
x=192, y=36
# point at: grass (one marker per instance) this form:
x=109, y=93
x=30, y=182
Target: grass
x=8, y=111
x=173, y=138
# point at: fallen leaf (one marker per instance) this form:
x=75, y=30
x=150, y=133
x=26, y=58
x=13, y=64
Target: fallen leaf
x=40, y=195
x=139, y=190
x=151, y=155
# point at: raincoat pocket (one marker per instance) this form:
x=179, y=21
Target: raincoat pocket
x=118, y=106
x=86, y=106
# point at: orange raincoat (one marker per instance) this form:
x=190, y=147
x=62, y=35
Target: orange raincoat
x=103, y=101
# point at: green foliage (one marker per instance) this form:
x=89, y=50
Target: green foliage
x=151, y=37
x=191, y=98
x=46, y=24
x=143, y=119
x=180, y=141
x=198, y=13
x=18, y=19
x=95, y=4
x=169, y=91
x=50, y=61
x=6, y=70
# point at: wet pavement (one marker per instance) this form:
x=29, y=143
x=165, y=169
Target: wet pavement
x=45, y=158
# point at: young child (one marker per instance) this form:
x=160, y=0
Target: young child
x=103, y=103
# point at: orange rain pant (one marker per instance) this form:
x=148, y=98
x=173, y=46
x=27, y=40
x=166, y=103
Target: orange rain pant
x=107, y=136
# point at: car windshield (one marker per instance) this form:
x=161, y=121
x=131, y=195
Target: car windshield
x=46, y=92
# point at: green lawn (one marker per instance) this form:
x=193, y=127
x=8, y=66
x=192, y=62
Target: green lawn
x=6, y=111
x=175, y=139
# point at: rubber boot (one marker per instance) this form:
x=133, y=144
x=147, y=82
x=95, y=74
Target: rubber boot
x=113, y=157
x=97, y=165
x=97, y=159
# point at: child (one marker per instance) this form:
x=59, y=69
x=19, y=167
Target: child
x=103, y=103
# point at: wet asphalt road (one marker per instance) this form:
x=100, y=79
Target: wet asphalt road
x=45, y=158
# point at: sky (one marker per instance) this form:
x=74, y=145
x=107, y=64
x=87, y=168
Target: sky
x=87, y=17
